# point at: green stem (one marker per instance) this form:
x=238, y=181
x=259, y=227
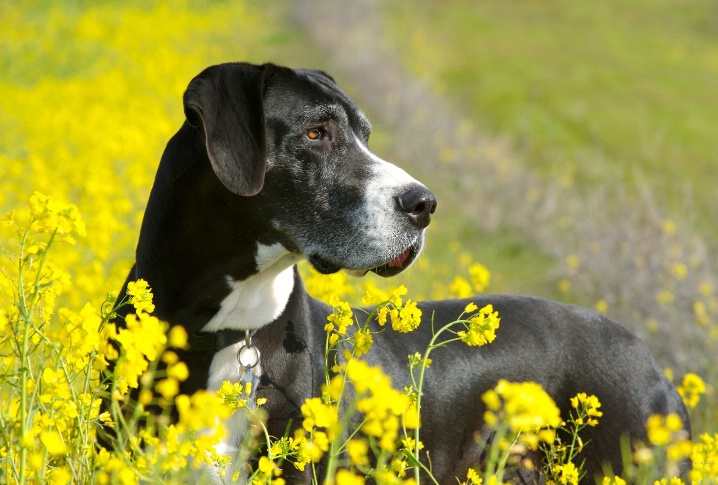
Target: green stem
x=419, y=390
x=494, y=450
x=27, y=320
x=334, y=449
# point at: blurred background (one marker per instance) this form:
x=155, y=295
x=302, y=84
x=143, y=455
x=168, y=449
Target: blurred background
x=571, y=145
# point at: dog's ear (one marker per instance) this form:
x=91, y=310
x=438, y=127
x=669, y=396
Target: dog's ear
x=226, y=102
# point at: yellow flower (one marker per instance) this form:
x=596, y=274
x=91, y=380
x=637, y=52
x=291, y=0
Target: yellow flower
x=613, y=481
x=168, y=388
x=140, y=296
x=339, y=320
x=397, y=294
x=661, y=429
x=178, y=371
x=231, y=395
x=601, y=306
x=266, y=466
x=410, y=444
x=671, y=481
x=587, y=406
x=52, y=216
x=142, y=341
x=357, y=451
x=691, y=389
x=320, y=415
x=177, y=337
x=406, y=318
x=705, y=459
x=526, y=407
x=59, y=476
x=345, y=477
x=53, y=443
x=373, y=295
x=473, y=478
x=381, y=405
x=411, y=418
x=567, y=474
x=460, y=288
x=363, y=341
x=480, y=277
x=482, y=327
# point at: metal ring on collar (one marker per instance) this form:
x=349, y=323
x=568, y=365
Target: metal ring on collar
x=248, y=356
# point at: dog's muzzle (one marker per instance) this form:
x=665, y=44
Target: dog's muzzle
x=414, y=207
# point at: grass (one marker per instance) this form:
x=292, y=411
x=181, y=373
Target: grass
x=588, y=90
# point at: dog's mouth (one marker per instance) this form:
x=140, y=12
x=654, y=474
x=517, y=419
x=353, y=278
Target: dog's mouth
x=397, y=264
x=392, y=267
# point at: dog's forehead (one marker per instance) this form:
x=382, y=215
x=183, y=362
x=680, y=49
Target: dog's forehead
x=314, y=96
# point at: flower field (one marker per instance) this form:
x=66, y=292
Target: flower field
x=91, y=93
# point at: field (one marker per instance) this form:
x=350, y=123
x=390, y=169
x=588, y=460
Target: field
x=587, y=132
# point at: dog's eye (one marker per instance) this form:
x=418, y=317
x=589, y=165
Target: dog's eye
x=318, y=133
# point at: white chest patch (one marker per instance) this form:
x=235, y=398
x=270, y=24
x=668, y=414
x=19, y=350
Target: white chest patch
x=252, y=303
x=262, y=297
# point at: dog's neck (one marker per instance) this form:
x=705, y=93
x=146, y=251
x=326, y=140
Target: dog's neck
x=199, y=250
x=261, y=298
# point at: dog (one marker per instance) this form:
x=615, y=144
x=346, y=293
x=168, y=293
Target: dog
x=272, y=166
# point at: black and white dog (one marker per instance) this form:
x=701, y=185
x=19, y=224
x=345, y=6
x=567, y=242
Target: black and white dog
x=272, y=167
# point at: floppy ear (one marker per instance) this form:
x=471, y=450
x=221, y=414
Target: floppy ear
x=226, y=101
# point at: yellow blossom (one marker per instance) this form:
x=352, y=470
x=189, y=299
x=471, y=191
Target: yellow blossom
x=587, y=406
x=472, y=478
x=177, y=337
x=480, y=277
x=460, y=288
x=320, y=415
x=661, y=429
x=357, y=451
x=167, y=388
x=346, y=477
x=691, y=389
x=613, y=481
x=363, y=341
x=140, y=296
x=406, y=318
x=567, y=474
x=526, y=407
x=178, y=371
x=53, y=442
x=481, y=328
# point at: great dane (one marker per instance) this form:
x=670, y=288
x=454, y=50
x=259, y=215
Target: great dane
x=272, y=167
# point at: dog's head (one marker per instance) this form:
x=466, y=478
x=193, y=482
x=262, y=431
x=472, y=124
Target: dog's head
x=294, y=147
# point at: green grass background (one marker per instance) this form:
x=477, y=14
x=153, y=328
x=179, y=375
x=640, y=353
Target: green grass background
x=587, y=90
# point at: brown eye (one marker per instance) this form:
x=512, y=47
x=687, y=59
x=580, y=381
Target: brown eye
x=317, y=134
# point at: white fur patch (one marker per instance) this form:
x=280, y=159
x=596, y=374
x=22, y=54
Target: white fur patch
x=261, y=298
x=387, y=180
x=253, y=303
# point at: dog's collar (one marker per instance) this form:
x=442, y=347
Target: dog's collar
x=213, y=342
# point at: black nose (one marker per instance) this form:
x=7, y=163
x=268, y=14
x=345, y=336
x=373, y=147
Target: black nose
x=418, y=203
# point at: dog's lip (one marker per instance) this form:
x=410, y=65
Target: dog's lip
x=391, y=267
x=398, y=263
